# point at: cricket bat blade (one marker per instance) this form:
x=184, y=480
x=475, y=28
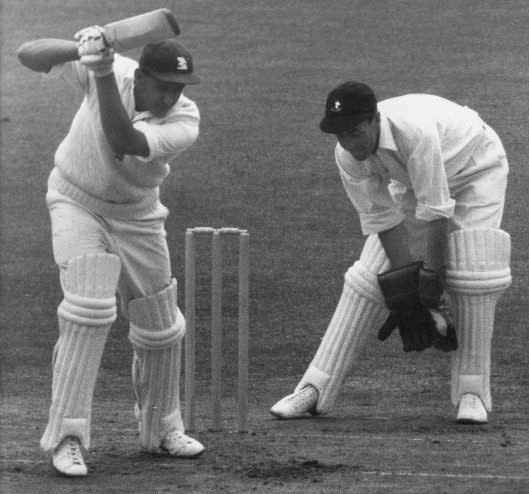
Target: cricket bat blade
x=140, y=30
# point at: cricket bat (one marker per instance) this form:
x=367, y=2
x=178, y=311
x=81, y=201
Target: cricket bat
x=140, y=30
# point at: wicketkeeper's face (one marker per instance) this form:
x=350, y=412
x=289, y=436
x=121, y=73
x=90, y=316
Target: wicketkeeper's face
x=361, y=140
x=155, y=95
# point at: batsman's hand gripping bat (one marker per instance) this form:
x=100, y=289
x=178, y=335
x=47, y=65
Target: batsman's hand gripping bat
x=140, y=30
x=134, y=32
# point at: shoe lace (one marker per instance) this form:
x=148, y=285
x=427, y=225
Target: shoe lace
x=302, y=395
x=73, y=452
x=473, y=401
x=176, y=435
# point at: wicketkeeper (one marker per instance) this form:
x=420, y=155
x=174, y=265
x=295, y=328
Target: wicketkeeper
x=108, y=234
x=427, y=178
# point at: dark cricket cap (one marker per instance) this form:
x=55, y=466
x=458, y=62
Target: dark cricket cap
x=168, y=61
x=346, y=106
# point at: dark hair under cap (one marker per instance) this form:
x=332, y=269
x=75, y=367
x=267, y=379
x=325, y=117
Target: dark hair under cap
x=347, y=105
x=168, y=61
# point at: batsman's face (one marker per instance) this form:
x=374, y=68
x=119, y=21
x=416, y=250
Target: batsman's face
x=362, y=140
x=154, y=95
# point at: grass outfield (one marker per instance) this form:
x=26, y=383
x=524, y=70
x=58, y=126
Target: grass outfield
x=261, y=163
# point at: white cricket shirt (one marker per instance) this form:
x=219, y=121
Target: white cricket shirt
x=84, y=162
x=425, y=143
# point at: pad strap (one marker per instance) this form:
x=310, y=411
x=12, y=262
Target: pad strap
x=87, y=311
x=478, y=262
x=89, y=285
x=156, y=320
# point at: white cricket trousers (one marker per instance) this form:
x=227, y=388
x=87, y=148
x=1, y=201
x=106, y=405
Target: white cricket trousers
x=98, y=256
x=140, y=245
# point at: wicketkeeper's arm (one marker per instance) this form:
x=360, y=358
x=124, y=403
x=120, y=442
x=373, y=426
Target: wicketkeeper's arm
x=42, y=54
x=396, y=245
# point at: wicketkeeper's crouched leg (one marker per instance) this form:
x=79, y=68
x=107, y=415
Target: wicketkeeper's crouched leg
x=156, y=330
x=360, y=311
x=478, y=272
x=85, y=316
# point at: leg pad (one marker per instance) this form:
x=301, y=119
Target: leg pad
x=477, y=274
x=85, y=315
x=156, y=330
x=360, y=310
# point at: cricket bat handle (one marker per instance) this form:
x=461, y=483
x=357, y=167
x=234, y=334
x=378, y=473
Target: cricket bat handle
x=140, y=30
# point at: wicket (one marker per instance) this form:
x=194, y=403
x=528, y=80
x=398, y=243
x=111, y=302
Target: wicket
x=216, y=324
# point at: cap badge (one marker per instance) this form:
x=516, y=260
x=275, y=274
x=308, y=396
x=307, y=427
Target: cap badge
x=337, y=107
x=182, y=63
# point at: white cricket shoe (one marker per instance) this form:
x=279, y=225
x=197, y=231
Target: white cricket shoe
x=176, y=443
x=67, y=458
x=297, y=404
x=471, y=410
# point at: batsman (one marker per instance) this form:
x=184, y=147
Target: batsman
x=108, y=234
x=428, y=179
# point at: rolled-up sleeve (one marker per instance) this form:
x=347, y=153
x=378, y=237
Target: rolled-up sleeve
x=168, y=140
x=428, y=176
x=367, y=190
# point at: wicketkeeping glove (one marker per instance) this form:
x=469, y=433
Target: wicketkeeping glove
x=413, y=296
x=94, y=51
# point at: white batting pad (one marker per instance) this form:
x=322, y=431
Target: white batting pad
x=156, y=330
x=360, y=310
x=85, y=316
x=478, y=272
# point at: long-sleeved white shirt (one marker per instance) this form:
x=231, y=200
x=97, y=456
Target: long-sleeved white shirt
x=425, y=143
x=84, y=169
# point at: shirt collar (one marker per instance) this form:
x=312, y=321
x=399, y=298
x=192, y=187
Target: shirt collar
x=147, y=115
x=142, y=115
x=386, y=140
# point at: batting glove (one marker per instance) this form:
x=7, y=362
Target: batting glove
x=91, y=40
x=94, y=51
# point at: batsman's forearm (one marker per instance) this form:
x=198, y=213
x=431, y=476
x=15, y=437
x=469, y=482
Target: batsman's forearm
x=42, y=54
x=121, y=135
